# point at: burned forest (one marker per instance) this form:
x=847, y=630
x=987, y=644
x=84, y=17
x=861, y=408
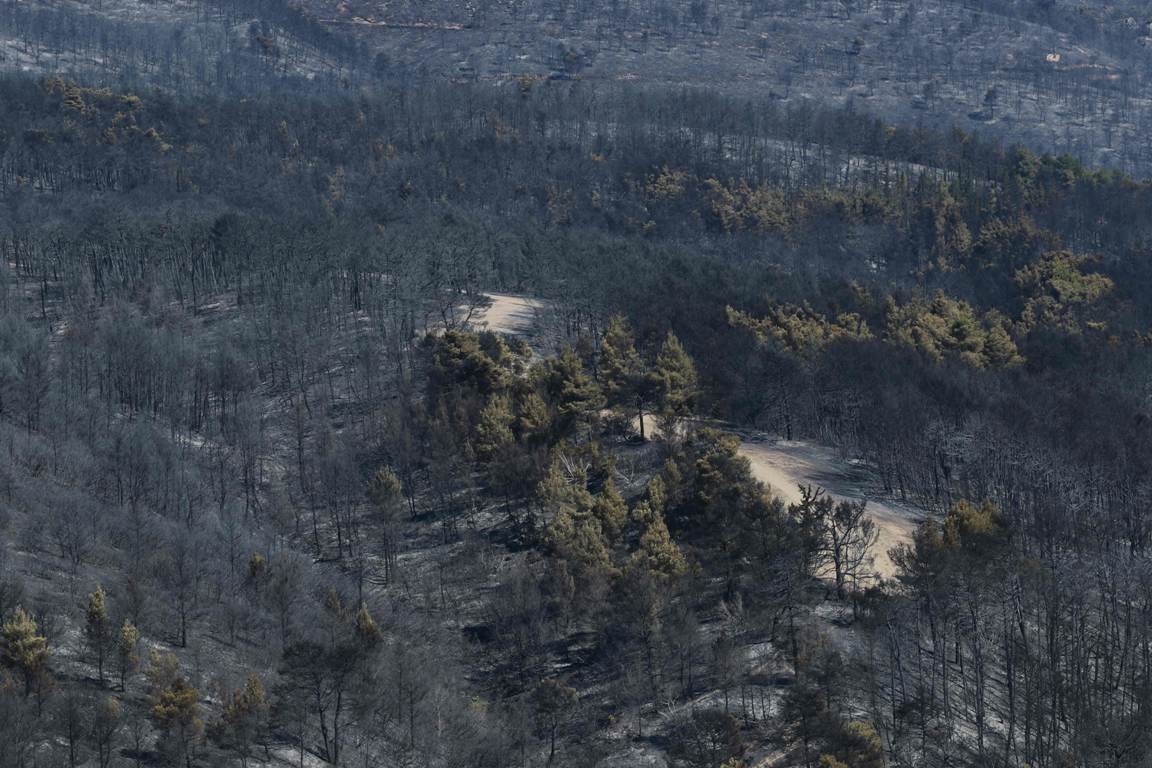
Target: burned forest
x=613, y=383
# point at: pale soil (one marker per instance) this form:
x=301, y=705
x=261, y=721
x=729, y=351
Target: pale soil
x=785, y=465
x=508, y=314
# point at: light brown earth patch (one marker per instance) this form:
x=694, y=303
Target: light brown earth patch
x=786, y=465
x=508, y=314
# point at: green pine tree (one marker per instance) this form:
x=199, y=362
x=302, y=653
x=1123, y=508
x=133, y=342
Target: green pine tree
x=573, y=394
x=127, y=643
x=611, y=511
x=97, y=630
x=494, y=430
x=574, y=533
x=24, y=648
x=675, y=382
x=622, y=372
x=658, y=553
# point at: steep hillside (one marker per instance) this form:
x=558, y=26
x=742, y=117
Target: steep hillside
x=1058, y=77
x=1055, y=76
x=265, y=498
x=191, y=46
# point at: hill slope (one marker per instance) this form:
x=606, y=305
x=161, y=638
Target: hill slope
x=1055, y=76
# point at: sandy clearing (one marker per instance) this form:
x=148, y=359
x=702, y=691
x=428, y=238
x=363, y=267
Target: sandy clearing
x=508, y=314
x=785, y=465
